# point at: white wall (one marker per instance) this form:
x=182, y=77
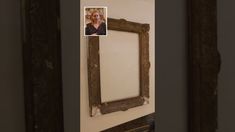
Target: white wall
x=142, y=12
x=11, y=71
x=226, y=86
x=119, y=51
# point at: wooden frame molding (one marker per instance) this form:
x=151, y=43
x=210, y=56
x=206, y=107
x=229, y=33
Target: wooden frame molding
x=204, y=65
x=96, y=106
x=42, y=66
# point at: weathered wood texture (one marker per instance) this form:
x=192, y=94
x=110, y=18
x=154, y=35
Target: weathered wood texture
x=96, y=106
x=42, y=66
x=123, y=104
x=204, y=65
x=94, y=73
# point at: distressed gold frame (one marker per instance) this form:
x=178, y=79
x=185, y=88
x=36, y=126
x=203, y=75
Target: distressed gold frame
x=96, y=106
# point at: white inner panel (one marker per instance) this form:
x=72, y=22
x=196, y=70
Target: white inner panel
x=119, y=66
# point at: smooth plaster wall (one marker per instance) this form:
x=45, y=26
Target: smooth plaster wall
x=113, y=48
x=226, y=84
x=11, y=71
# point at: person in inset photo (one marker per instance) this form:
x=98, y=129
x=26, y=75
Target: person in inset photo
x=96, y=25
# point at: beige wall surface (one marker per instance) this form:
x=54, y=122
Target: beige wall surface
x=119, y=66
x=139, y=11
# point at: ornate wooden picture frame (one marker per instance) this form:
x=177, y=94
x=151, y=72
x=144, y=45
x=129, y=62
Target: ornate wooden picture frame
x=42, y=65
x=96, y=106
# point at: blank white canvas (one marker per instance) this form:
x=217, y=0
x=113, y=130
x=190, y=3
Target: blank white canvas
x=119, y=66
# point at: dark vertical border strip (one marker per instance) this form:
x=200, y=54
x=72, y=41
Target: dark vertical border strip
x=28, y=100
x=42, y=65
x=204, y=65
x=78, y=128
